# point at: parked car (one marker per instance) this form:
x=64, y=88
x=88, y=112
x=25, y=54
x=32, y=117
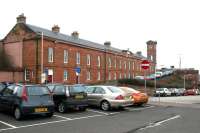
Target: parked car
x=190, y=92
x=175, y=91
x=162, y=92
x=108, y=97
x=2, y=86
x=181, y=91
x=68, y=96
x=139, y=97
x=22, y=100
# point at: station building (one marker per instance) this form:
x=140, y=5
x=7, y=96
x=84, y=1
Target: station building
x=34, y=50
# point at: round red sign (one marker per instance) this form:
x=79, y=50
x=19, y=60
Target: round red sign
x=145, y=64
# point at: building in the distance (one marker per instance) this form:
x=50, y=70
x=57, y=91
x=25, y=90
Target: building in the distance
x=35, y=50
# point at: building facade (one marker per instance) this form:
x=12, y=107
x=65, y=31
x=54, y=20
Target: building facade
x=59, y=57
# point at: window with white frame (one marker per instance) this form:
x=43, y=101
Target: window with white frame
x=109, y=76
x=115, y=63
x=115, y=76
x=65, y=56
x=124, y=64
x=109, y=62
x=133, y=65
x=88, y=75
x=50, y=54
x=65, y=74
x=120, y=64
x=129, y=75
x=124, y=75
x=98, y=61
x=120, y=76
x=99, y=75
x=78, y=58
x=129, y=65
x=133, y=76
x=88, y=59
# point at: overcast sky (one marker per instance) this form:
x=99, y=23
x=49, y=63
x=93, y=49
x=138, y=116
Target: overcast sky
x=174, y=24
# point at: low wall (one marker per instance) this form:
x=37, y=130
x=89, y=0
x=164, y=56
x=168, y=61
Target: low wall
x=11, y=76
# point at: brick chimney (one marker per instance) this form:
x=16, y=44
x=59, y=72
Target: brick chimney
x=107, y=43
x=21, y=19
x=56, y=29
x=75, y=34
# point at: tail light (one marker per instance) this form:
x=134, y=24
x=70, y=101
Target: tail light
x=24, y=94
x=136, y=94
x=120, y=97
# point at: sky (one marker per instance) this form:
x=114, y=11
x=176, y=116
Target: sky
x=174, y=24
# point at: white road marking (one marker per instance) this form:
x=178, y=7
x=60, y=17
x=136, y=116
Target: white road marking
x=8, y=124
x=95, y=111
x=85, y=117
x=51, y=122
x=138, y=109
x=161, y=122
x=66, y=118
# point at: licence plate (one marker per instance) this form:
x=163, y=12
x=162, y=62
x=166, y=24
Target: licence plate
x=41, y=109
x=79, y=97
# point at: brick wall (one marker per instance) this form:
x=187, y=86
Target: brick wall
x=11, y=76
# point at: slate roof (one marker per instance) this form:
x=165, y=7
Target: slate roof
x=79, y=41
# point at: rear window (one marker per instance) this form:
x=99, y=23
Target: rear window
x=76, y=88
x=115, y=89
x=37, y=91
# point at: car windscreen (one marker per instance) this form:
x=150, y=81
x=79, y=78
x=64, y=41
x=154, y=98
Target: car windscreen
x=114, y=89
x=37, y=90
x=76, y=89
x=160, y=89
x=2, y=87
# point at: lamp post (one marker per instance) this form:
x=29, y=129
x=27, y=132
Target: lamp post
x=42, y=60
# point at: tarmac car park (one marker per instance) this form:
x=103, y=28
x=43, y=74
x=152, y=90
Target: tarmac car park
x=149, y=118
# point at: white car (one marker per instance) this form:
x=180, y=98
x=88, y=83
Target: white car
x=162, y=92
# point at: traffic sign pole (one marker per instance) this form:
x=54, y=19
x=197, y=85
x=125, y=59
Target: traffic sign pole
x=145, y=66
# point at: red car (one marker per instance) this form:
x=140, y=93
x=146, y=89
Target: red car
x=191, y=92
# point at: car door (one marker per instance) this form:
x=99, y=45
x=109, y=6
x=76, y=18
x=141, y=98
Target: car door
x=90, y=95
x=59, y=94
x=7, y=98
x=98, y=95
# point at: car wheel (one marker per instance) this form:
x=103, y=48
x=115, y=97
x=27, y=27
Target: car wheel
x=17, y=113
x=105, y=105
x=61, y=108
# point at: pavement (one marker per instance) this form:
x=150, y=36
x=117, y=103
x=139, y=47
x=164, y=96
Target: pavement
x=151, y=118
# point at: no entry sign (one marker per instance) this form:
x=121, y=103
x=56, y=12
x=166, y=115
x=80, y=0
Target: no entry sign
x=145, y=64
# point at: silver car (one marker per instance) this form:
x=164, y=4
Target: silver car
x=107, y=97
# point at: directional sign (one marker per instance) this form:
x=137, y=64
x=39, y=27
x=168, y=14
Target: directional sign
x=78, y=70
x=145, y=64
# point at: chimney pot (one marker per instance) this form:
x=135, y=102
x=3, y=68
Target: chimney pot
x=107, y=43
x=21, y=19
x=56, y=29
x=75, y=34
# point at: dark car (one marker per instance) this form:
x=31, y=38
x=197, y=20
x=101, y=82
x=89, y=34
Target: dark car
x=68, y=96
x=22, y=100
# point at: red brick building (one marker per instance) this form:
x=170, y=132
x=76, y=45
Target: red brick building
x=36, y=49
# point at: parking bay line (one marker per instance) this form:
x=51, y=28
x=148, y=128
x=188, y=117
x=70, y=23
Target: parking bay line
x=100, y=112
x=51, y=122
x=138, y=109
x=66, y=118
x=5, y=123
x=96, y=111
x=160, y=122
